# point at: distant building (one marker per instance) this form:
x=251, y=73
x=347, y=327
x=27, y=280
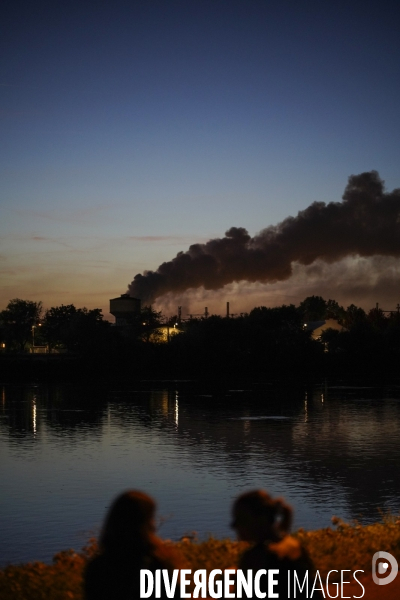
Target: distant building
x=125, y=309
x=317, y=327
x=39, y=350
x=166, y=332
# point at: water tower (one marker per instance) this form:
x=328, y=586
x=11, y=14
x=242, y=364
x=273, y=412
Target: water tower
x=125, y=309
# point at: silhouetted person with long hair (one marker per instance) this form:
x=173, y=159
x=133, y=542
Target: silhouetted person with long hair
x=127, y=544
x=265, y=523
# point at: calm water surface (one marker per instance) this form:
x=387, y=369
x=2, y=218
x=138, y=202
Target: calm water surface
x=66, y=452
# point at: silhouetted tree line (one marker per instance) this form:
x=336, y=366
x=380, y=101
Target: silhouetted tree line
x=23, y=326
x=266, y=342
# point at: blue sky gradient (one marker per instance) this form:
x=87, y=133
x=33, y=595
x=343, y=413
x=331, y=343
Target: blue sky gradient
x=132, y=129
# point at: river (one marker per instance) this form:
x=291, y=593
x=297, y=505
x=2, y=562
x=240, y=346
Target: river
x=66, y=451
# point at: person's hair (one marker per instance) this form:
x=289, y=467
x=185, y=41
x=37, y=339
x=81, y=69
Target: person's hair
x=128, y=524
x=274, y=513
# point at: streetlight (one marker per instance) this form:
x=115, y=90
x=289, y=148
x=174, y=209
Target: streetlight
x=33, y=335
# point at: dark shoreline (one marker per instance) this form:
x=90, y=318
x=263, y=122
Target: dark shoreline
x=73, y=369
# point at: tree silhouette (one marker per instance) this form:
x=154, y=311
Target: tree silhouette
x=18, y=319
x=313, y=308
x=73, y=328
x=149, y=322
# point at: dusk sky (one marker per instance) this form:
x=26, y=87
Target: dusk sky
x=131, y=130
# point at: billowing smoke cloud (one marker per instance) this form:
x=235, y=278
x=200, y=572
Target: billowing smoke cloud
x=351, y=280
x=365, y=224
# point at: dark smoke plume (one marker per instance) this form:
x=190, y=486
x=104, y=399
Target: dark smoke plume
x=366, y=223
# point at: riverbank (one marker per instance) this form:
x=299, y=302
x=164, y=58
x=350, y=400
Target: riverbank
x=342, y=547
x=128, y=363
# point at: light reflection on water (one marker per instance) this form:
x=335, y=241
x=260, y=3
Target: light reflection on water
x=65, y=453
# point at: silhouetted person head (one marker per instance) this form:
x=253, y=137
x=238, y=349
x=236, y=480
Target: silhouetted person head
x=127, y=544
x=129, y=525
x=265, y=522
x=257, y=517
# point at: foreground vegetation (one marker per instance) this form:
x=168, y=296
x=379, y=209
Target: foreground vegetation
x=343, y=547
